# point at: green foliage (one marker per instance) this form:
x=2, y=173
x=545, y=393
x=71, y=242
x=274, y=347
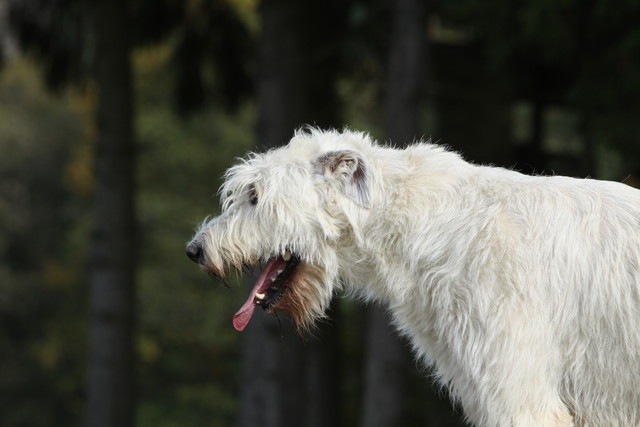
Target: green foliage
x=583, y=55
x=210, y=38
x=42, y=251
x=187, y=348
x=582, y=60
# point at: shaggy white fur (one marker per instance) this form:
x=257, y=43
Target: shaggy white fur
x=523, y=292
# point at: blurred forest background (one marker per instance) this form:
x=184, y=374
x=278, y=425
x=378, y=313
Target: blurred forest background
x=118, y=118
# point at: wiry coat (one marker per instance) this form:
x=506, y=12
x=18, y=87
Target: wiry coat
x=523, y=292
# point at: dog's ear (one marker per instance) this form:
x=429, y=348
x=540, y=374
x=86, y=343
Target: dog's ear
x=351, y=172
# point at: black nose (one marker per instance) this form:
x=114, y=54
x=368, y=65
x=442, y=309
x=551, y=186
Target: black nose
x=194, y=251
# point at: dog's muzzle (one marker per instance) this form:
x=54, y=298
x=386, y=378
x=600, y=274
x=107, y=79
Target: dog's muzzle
x=194, y=252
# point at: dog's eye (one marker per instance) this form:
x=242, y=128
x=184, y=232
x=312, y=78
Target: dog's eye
x=253, y=195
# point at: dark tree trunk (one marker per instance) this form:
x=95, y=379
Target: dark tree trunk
x=111, y=396
x=406, y=75
x=385, y=373
x=387, y=355
x=273, y=354
x=281, y=93
x=324, y=371
x=295, y=87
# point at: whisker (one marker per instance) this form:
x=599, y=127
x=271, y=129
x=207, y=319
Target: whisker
x=219, y=279
x=275, y=313
x=248, y=269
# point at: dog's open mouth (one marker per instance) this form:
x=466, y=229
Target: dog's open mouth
x=270, y=287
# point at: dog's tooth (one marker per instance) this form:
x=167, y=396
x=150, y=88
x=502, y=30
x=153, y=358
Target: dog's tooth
x=286, y=256
x=260, y=296
x=273, y=279
x=280, y=271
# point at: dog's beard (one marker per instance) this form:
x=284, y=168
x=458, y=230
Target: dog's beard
x=290, y=285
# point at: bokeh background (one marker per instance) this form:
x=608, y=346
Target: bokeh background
x=118, y=118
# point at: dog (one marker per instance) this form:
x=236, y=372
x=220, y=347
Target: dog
x=522, y=292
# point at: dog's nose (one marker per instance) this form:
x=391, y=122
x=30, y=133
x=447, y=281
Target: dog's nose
x=194, y=251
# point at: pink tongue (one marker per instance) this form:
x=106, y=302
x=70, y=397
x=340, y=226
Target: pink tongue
x=242, y=317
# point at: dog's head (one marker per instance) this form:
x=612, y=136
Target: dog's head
x=289, y=209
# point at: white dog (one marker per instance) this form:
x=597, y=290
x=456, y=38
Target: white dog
x=523, y=292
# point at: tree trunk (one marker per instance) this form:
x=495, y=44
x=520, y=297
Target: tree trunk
x=406, y=73
x=384, y=376
x=324, y=374
x=281, y=93
x=272, y=352
x=387, y=356
x=295, y=87
x=111, y=396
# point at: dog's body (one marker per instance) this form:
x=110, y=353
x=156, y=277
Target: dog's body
x=523, y=292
